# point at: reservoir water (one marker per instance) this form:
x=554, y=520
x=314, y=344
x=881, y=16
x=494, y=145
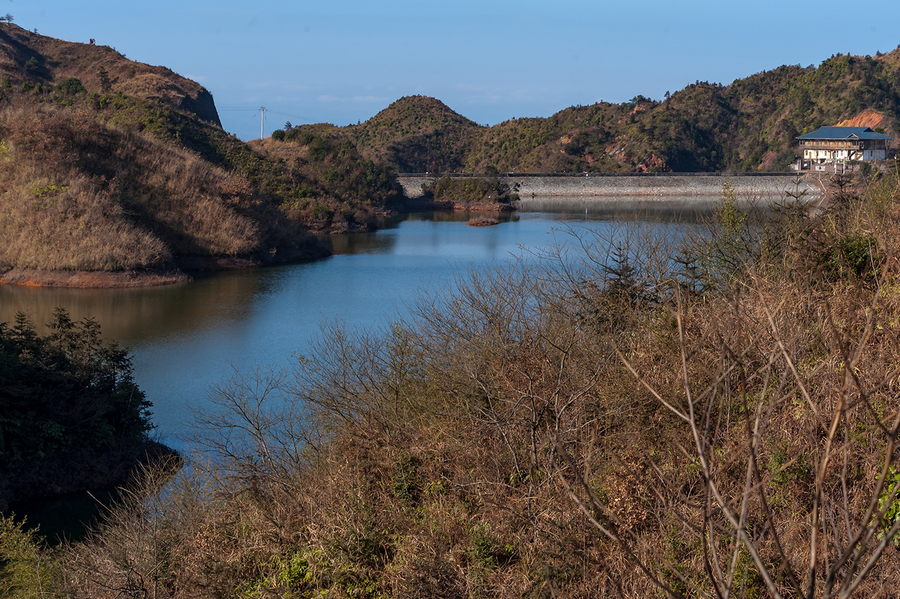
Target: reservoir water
x=186, y=338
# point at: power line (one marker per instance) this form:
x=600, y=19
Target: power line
x=299, y=118
x=248, y=121
x=304, y=119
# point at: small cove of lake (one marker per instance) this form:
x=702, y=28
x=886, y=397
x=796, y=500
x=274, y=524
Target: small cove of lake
x=186, y=338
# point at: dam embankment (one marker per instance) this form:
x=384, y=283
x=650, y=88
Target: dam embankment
x=697, y=189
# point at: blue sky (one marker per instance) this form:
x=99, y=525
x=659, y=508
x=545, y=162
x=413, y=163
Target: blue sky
x=342, y=61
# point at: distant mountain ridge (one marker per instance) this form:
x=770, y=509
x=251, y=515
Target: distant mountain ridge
x=111, y=165
x=749, y=125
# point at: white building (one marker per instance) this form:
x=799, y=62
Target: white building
x=843, y=144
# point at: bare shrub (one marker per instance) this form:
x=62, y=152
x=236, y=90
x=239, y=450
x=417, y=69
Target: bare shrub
x=564, y=426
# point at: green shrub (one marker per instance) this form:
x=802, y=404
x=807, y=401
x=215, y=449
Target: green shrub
x=70, y=87
x=24, y=570
x=854, y=255
x=891, y=507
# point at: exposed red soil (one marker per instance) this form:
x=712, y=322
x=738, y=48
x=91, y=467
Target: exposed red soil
x=867, y=118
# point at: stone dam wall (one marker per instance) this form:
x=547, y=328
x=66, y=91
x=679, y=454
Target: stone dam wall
x=698, y=189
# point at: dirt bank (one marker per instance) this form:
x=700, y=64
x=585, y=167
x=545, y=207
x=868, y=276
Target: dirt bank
x=89, y=279
x=181, y=272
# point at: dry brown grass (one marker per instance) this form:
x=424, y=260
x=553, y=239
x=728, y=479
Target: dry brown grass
x=78, y=194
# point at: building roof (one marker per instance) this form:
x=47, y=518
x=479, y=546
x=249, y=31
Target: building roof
x=844, y=133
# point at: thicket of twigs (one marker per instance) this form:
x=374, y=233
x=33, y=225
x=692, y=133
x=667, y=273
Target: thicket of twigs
x=623, y=424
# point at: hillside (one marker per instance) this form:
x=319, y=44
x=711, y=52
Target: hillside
x=417, y=134
x=749, y=125
x=32, y=59
x=114, y=165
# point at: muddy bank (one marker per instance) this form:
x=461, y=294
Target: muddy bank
x=182, y=270
x=90, y=279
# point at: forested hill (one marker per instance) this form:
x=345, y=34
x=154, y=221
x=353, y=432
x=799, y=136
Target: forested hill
x=748, y=125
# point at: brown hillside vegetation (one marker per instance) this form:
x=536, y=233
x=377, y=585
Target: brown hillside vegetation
x=327, y=186
x=27, y=57
x=87, y=196
x=416, y=134
x=616, y=425
x=116, y=165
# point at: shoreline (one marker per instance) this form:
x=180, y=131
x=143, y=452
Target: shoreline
x=185, y=271
x=82, y=279
x=189, y=266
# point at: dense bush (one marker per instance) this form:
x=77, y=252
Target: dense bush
x=327, y=185
x=470, y=190
x=65, y=399
x=70, y=87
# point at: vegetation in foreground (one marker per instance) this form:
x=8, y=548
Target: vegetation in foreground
x=71, y=416
x=622, y=425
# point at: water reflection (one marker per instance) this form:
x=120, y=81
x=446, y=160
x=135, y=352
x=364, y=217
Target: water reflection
x=132, y=315
x=668, y=208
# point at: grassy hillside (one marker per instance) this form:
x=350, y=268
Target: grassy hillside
x=115, y=165
x=748, y=125
x=81, y=194
x=414, y=134
x=30, y=59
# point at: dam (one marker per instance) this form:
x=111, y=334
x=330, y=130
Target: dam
x=645, y=190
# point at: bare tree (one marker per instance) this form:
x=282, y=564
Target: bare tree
x=849, y=426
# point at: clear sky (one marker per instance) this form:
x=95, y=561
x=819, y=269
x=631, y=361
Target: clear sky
x=342, y=61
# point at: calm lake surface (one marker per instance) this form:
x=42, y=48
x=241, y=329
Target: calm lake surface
x=184, y=339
